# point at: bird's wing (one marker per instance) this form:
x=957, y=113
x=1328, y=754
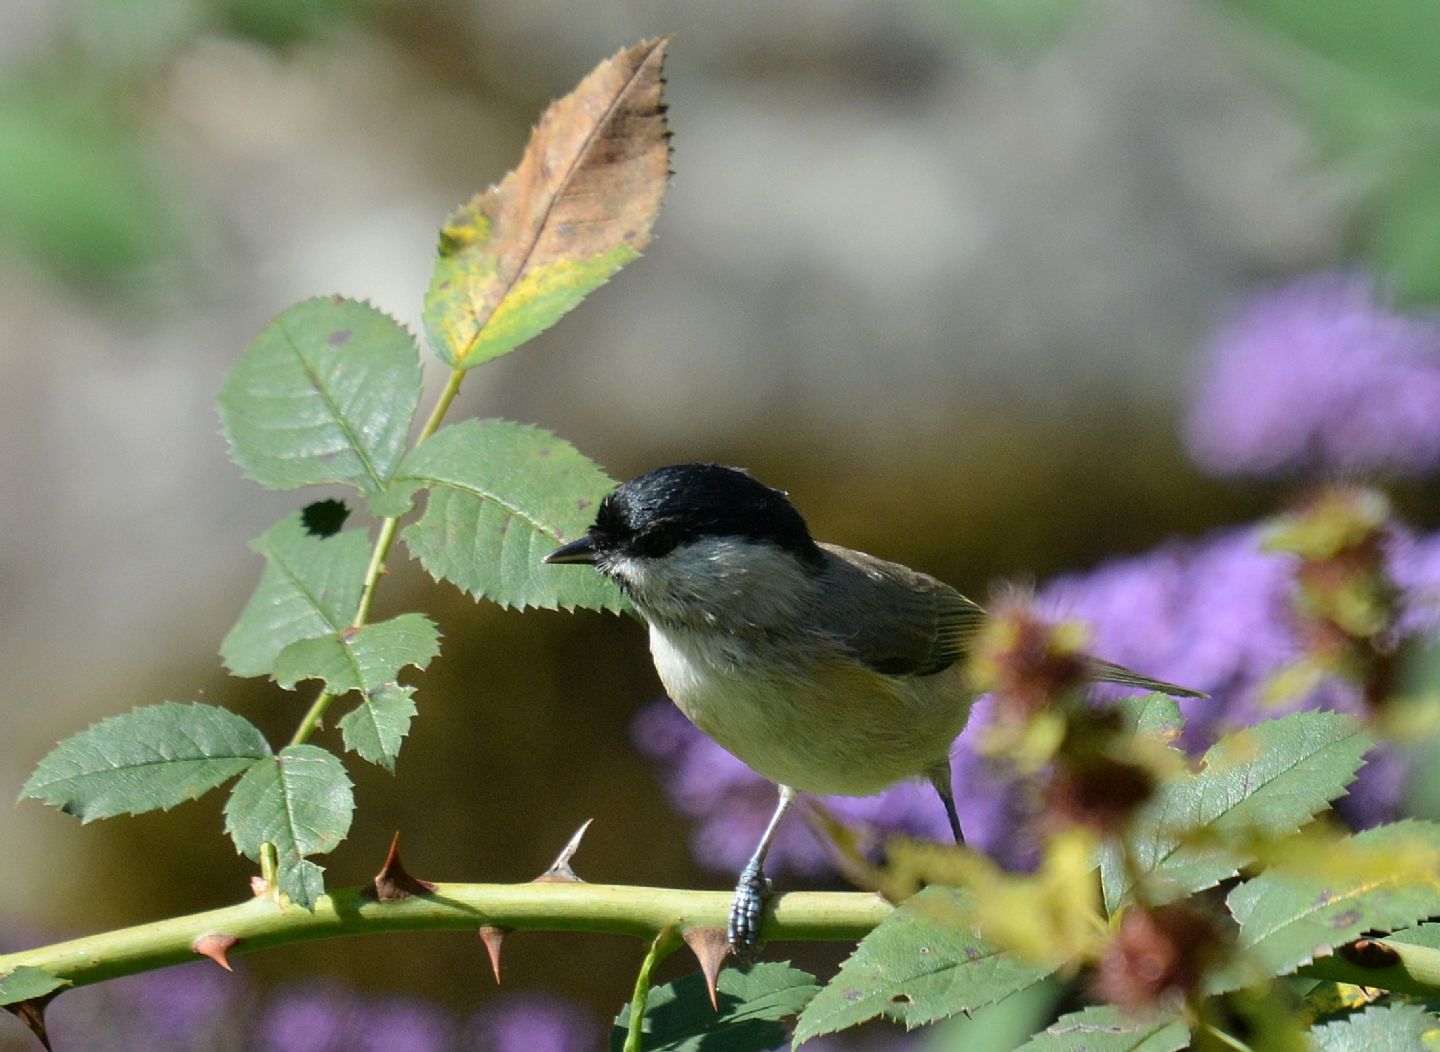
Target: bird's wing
x=909, y=623
x=914, y=625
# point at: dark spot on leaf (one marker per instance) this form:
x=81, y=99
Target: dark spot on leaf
x=581, y=505
x=337, y=300
x=324, y=518
x=1322, y=898
x=853, y=995
x=924, y=950
x=900, y=999
x=544, y=452
x=340, y=337
x=504, y=526
x=972, y=953
x=1346, y=919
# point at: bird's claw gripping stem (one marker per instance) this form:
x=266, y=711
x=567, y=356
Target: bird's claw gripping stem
x=747, y=909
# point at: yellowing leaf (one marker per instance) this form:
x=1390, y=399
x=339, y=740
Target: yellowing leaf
x=577, y=208
x=1050, y=917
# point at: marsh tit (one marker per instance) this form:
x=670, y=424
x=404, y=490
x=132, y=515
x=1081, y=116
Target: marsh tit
x=824, y=669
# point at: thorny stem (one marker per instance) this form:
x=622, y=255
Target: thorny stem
x=263, y=923
x=666, y=942
x=381, y=551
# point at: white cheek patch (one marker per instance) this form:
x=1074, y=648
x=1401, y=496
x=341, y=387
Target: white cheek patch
x=717, y=581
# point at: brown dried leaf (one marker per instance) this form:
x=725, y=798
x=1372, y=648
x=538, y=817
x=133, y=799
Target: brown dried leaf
x=578, y=207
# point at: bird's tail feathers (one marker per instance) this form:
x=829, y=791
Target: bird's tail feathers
x=1109, y=672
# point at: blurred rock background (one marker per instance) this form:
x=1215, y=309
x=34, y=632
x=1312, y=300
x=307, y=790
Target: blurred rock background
x=942, y=269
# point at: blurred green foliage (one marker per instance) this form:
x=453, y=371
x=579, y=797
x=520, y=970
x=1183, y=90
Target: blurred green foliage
x=82, y=191
x=1366, y=80
x=80, y=195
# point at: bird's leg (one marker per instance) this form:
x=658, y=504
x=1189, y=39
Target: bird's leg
x=939, y=776
x=753, y=889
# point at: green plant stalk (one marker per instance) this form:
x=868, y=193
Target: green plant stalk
x=378, y=554
x=262, y=923
x=666, y=942
x=1416, y=970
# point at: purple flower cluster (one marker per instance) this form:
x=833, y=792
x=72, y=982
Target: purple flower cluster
x=1214, y=614
x=1320, y=375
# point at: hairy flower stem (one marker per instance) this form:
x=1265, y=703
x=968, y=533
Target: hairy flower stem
x=666, y=942
x=262, y=923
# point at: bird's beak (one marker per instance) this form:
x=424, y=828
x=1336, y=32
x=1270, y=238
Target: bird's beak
x=577, y=551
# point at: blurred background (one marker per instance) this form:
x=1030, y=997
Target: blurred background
x=945, y=270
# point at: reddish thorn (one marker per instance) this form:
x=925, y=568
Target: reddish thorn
x=32, y=1014
x=393, y=883
x=216, y=945
x=493, y=937
x=710, y=946
x=560, y=869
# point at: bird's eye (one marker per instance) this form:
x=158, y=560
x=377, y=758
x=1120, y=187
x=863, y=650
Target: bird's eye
x=656, y=540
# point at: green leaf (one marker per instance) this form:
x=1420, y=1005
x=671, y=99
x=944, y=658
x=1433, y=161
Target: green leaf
x=1271, y=778
x=1427, y=935
x=325, y=393
x=298, y=800
x=1287, y=919
x=1391, y=1028
x=1006, y=1024
x=376, y=727
x=362, y=658
x=1157, y=715
x=502, y=497
x=152, y=758
x=753, y=1001
x=1105, y=1028
x=577, y=208
x=302, y=880
x=922, y=963
x=26, y=983
x=311, y=586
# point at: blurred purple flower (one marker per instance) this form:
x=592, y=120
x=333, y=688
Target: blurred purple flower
x=532, y=1022
x=181, y=1005
x=1415, y=566
x=1214, y=614
x=401, y=1024
x=315, y=1018
x=1320, y=374
x=322, y=1017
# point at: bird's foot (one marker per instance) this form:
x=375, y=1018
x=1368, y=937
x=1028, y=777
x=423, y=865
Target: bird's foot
x=747, y=909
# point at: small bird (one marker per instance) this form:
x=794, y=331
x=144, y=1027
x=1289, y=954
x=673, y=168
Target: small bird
x=825, y=670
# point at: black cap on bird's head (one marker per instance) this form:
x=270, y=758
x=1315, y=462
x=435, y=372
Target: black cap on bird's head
x=655, y=513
